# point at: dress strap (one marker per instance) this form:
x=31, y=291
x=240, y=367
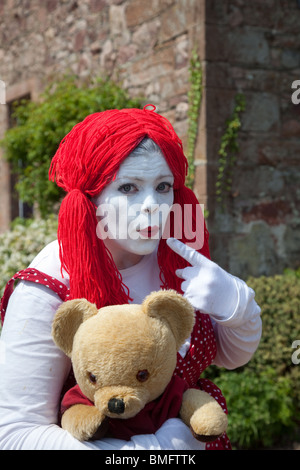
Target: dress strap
x=33, y=275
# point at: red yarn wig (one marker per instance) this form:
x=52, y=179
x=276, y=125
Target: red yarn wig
x=86, y=161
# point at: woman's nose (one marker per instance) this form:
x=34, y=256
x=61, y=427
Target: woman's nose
x=150, y=205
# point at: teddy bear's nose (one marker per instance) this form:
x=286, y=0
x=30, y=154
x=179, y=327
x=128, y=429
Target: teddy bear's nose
x=116, y=405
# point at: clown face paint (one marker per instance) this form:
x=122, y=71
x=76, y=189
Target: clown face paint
x=133, y=208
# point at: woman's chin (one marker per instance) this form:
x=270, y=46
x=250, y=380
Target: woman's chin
x=145, y=246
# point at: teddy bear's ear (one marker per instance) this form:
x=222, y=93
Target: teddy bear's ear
x=67, y=320
x=173, y=308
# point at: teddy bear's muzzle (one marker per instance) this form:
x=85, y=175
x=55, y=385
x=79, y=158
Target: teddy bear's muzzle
x=121, y=401
x=116, y=405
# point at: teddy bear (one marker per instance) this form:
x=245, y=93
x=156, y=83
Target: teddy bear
x=123, y=358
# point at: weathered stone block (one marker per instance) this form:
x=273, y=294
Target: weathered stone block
x=263, y=112
x=248, y=46
x=254, y=253
x=145, y=36
x=272, y=212
x=140, y=11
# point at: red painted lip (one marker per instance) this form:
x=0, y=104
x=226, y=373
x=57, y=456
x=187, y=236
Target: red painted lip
x=149, y=232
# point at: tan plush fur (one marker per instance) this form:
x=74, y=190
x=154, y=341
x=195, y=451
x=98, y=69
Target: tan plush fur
x=118, y=343
x=82, y=421
x=203, y=414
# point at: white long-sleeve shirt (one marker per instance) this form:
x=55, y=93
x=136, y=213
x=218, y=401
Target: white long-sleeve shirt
x=33, y=369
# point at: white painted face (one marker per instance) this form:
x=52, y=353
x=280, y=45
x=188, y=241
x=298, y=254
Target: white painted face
x=133, y=208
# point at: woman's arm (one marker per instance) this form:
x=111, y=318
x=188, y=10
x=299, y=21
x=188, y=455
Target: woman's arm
x=229, y=302
x=32, y=373
x=238, y=335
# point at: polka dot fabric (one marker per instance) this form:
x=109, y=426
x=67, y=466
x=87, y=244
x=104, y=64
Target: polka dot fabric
x=32, y=275
x=201, y=353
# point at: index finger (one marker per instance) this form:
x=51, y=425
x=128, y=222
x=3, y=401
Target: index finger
x=185, y=251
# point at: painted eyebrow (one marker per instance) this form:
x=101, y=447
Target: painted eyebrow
x=135, y=178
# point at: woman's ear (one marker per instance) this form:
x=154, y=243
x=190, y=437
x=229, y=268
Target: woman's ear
x=174, y=309
x=68, y=319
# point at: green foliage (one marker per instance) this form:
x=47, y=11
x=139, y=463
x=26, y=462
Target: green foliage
x=279, y=298
x=260, y=406
x=194, y=102
x=263, y=397
x=31, y=144
x=228, y=150
x=22, y=243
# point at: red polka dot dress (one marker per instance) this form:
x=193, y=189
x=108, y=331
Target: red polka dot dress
x=200, y=355
x=33, y=275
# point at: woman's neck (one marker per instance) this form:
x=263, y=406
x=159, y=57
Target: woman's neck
x=123, y=259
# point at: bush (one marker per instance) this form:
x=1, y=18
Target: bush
x=279, y=298
x=31, y=144
x=260, y=405
x=21, y=244
x=263, y=397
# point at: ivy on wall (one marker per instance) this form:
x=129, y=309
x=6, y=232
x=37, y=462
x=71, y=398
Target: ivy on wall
x=228, y=151
x=229, y=142
x=194, y=102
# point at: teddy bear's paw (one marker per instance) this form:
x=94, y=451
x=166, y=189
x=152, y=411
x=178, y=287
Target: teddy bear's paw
x=102, y=430
x=209, y=422
x=82, y=421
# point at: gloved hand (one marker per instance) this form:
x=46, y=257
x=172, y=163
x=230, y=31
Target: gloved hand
x=206, y=285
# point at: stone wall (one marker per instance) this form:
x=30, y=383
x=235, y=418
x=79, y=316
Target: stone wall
x=254, y=48
x=144, y=44
x=5, y=209
x=250, y=47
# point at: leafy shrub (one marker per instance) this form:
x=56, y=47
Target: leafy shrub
x=263, y=397
x=279, y=298
x=21, y=244
x=260, y=406
x=31, y=144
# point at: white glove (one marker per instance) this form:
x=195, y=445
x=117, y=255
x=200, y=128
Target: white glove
x=208, y=287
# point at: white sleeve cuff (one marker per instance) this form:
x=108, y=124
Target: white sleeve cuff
x=246, y=308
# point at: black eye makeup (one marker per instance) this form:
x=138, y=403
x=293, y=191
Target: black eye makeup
x=130, y=188
x=127, y=188
x=164, y=187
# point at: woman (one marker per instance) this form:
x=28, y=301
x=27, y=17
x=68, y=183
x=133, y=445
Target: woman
x=124, y=172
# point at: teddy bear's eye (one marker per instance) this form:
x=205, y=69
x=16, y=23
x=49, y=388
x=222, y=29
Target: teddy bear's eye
x=142, y=375
x=92, y=378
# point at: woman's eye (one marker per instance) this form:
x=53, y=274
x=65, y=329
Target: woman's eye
x=164, y=187
x=127, y=188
